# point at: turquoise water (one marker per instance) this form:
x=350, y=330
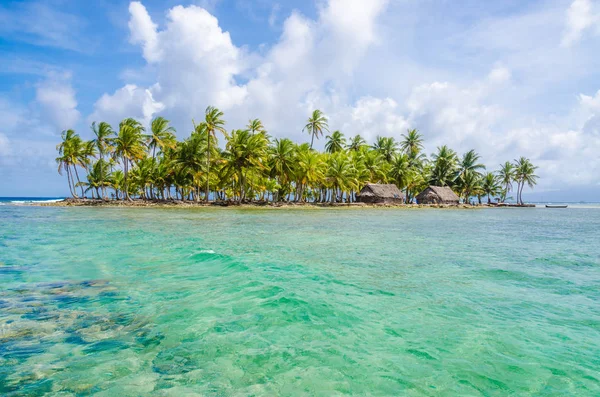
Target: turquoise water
x=226, y=302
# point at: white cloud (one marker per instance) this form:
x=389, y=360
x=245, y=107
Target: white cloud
x=143, y=31
x=128, y=101
x=56, y=99
x=580, y=17
x=499, y=75
x=371, y=117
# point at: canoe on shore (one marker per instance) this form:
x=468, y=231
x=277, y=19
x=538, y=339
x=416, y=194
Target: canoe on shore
x=556, y=206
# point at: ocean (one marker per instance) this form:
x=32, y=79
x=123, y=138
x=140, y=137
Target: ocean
x=299, y=302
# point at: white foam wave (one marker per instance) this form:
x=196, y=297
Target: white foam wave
x=33, y=201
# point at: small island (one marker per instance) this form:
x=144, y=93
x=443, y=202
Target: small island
x=139, y=167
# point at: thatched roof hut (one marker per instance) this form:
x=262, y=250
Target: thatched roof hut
x=437, y=195
x=375, y=193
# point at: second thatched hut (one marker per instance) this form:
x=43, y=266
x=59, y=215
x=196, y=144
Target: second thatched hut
x=438, y=195
x=374, y=193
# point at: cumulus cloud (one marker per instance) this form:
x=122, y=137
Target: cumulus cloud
x=197, y=63
x=580, y=17
x=56, y=98
x=128, y=101
x=143, y=31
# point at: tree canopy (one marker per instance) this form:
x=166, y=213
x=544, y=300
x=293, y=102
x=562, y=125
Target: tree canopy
x=252, y=166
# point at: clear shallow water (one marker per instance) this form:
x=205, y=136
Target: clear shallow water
x=219, y=302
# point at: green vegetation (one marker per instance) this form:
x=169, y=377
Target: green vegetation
x=254, y=167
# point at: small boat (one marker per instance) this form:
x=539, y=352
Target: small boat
x=556, y=206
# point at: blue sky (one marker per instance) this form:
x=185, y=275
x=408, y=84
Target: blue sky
x=506, y=78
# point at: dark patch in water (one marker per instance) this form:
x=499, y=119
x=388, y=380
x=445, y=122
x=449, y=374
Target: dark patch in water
x=390, y=331
x=40, y=314
x=150, y=341
x=174, y=361
x=20, y=351
x=420, y=354
x=123, y=319
x=54, y=285
x=75, y=340
x=94, y=283
x=104, y=346
x=67, y=300
x=6, y=270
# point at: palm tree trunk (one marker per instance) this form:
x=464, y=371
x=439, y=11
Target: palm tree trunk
x=207, y=169
x=521, y=192
x=312, y=139
x=71, y=189
x=126, y=184
x=78, y=181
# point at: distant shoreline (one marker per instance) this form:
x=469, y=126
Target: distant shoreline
x=139, y=203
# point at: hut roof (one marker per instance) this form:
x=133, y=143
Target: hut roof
x=381, y=190
x=443, y=192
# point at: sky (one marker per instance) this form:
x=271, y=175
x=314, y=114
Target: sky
x=508, y=78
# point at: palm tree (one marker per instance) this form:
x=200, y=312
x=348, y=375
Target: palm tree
x=191, y=159
x=129, y=147
x=256, y=126
x=491, y=186
x=356, y=143
x=162, y=135
x=524, y=174
x=214, y=122
x=445, y=167
x=469, y=162
x=335, y=142
x=469, y=184
x=117, y=182
x=386, y=146
x=412, y=144
x=339, y=175
x=375, y=166
x=309, y=169
x=507, y=176
x=401, y=171
x=315, y=125
x=97, y=177
x=282, y=162
x=271, y=187
x=69, y=151
x=104, y=134
x=244, y=152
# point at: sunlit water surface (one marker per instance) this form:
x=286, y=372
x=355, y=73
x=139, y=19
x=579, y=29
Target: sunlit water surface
x=226, y=302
